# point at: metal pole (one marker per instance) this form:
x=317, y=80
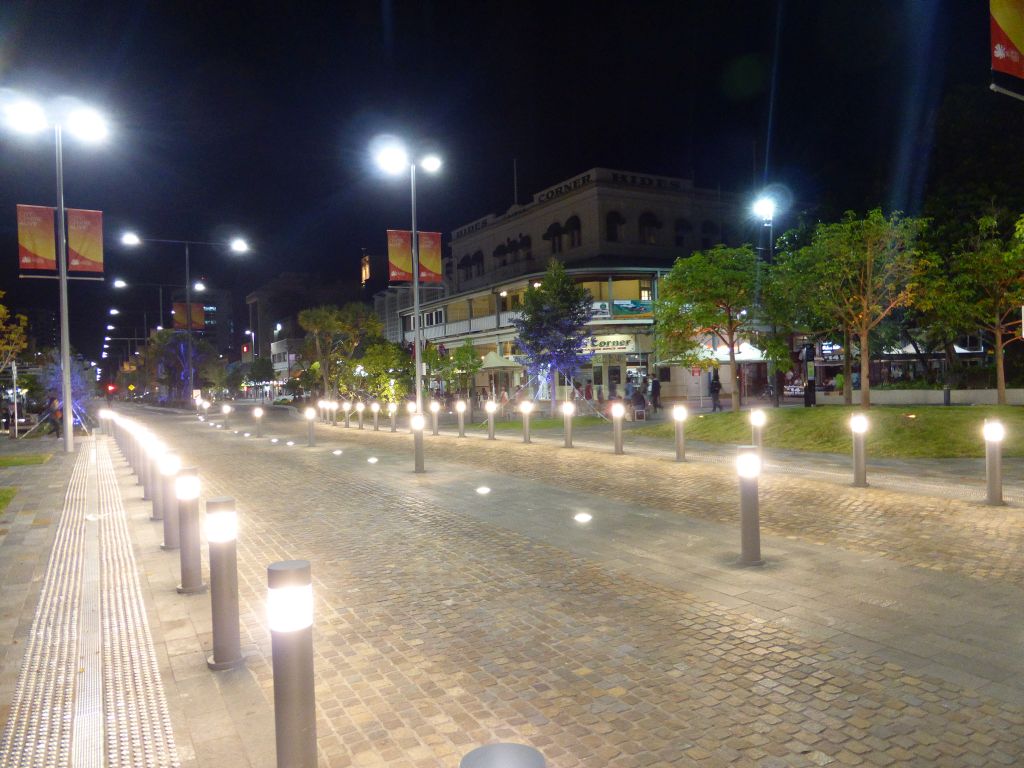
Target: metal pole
x=189, y=553
x=505, y=755
x=462, y=423
x=65, y=332
x=394, y=420
x=359, y=416
x=750, y=522
x=993, y=472
x=756, y=437
x=490, y=425
x=860, y=469
x=376, y=420
x=157, y=493
x=14, y=420
x=433, y=418
x=188, y=324
x=567, y=421
x=291, y=644
x=416, y=294
x=617, y=434
x=526, y=426
x=417, y=441
x=222, y=534
x=170, y=512
x=680, y=440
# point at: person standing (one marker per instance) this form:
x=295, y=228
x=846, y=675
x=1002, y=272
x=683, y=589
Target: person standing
x=655, y=395
x=716, y=391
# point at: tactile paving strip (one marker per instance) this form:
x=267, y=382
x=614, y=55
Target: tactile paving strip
x=138, y=725
x=40, y=724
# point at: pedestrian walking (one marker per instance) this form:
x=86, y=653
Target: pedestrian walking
x=716, y=391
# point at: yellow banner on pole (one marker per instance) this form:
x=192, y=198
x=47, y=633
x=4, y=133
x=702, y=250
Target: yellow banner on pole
x=36, y=246
x=85, y=240
x=399, y=256
x=430, y=257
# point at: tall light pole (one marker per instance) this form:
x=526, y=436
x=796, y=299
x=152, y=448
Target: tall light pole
x=237, y=245
x=393, y=159
x=764, y=208
x=86, y=124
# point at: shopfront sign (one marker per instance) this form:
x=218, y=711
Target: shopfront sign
x=610, y=344
x=632, y=308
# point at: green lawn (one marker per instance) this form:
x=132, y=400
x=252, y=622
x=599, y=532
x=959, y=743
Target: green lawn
x=25, y=458
x=6, y=494
x=895, y=431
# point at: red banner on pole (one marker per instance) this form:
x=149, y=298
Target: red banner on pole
x=399, y=256
x=1007, y=28
x=36, y=240
x=430, y=257
x=85, y=240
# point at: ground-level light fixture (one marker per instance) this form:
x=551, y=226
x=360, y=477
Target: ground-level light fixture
x=748, y=468
x=994, y=433
x=526, y=408
x=568, y=409
x=679, y=416
x=491, y=407
x=618, y=412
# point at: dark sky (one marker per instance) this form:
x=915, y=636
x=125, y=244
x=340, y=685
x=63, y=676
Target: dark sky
x=256, y=117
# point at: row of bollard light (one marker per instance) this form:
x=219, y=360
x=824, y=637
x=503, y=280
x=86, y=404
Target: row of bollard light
x=174, y=491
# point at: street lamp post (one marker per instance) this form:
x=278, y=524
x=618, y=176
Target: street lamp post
x=25, y=116
x=764, y=207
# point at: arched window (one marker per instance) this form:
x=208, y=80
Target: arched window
x=526, y=246
x=683, y=231
x=465, y=267
x=574, y=230
x=647, y=228
x=612, y=226
x=477, y=263
x=554, y=234
x=501, y=255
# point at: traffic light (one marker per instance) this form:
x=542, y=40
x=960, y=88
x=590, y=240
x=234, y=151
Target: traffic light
x=111, y=388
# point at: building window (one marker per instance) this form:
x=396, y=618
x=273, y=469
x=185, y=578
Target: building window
x=612, y=226
x=574, y=231
x=478, y=263
x=647, y=228
x=646, y=294
x=554, y=234
x=501, y=255
x=683, y=230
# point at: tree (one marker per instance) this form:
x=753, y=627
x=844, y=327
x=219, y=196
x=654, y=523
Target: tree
x=322, y=324
x=388, y=370
x=552, y=326
x=261, y=371
x=81, y=389
x=12, y=336
x=169, y=350
x=860, y=271
x=992, y=265
x=708, y=292
x=355, y=324
x=465, y=363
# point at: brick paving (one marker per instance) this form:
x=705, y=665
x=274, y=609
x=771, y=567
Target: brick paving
x=446, y=619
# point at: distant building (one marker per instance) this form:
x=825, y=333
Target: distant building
x=218, y=317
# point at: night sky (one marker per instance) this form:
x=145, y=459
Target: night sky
x=256, y=118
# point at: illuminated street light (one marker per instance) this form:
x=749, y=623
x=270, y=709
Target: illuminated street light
x=679, y=415
x=526, y=408
x=764, y=208
x=994, y=433
x=360, y=407
x=618, y=412
x=460, y=410
x=310, y=414
x=758, y=419
x=346, y=406
x=416, y=425
x=222, y=536
x=226, y=410
x=859, y=426
x=393, y=415
x=375, y=410
x=568, y=409
x=435, y=410
x=490, y=406
x=186, y=489
x=748, y=468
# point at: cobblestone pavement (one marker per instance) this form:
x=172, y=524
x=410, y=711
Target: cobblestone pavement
x=883, y=631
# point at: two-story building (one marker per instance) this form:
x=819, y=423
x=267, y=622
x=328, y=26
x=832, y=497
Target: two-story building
x=616, y=232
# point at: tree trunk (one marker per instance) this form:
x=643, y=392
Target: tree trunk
x=1000, y=373
x=734, y=372
x=847, y=369
x=865, y=367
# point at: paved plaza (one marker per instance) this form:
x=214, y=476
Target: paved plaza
x=883, y=630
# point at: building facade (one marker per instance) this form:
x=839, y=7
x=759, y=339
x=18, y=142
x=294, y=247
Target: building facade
x=616, y=232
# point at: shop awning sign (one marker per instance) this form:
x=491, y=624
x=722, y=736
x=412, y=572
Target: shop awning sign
x=610, y=343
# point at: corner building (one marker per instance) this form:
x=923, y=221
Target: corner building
x=617, y=233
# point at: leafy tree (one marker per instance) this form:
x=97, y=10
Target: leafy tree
x=465, y=363
x=992, y=264
x=552, y=326
x=261, y=370
x=322, y=325
x=169, y=351
x=388, y=369
x=12, y=335
x=52, y=379
x=709, y=292
x=861, y=270
x=356, y=324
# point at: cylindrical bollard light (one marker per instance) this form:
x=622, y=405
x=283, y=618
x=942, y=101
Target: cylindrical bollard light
x=490, y=406
x=410, y=408
x=186, y=488
x=679, y=414
x=618, y=412
x=435, y=409
x=417, y=423
x=859, y=428
x=360, y=407
x=206, y=409
x=332, y=406
x=460, y=410
x=226, y=410
x=170, y=464
x=994, y=432
x=393, y=415
x=503, y=756
x=375, y=410
x=758, y=418
x=568, y=409
x=290, y=618
x=155, y=450
x=322, y=406
x=346, y=408
x=257, y=413
x=149, y=445
x=748, y=467
x=310, y=415
x=222, y=536
x=526, y=408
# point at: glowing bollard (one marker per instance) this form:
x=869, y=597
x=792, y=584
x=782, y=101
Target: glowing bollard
x=170, y=464
x=332, y=406
x=748, y=467
x=435, y=409
x=417, y=424
x=503, y=756
x=994, y=432
x=490, y=406
x=226, y=411
x=375, y=410
x=859, y=426
x=310, y=415
x=526, y=408
x=618, y=412
x=758, y=418
x=460, y=410
x=360, y=407
x=222, y=535
x=257, y=413
x=393, y=415
x=205, y=404
x=346, y=408
x=679, y=414
x=186, y=488
x=155, y=451
x=568, y=409
x=290, y=619
x=410, y=408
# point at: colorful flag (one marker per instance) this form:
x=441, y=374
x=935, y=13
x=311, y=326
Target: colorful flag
x=85, y=240
x=198, y=316
x=1007, y=28
x=36, y=248
x=399, y=256
x=430, y=257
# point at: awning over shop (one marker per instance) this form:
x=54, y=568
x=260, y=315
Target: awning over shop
x=493, y=361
